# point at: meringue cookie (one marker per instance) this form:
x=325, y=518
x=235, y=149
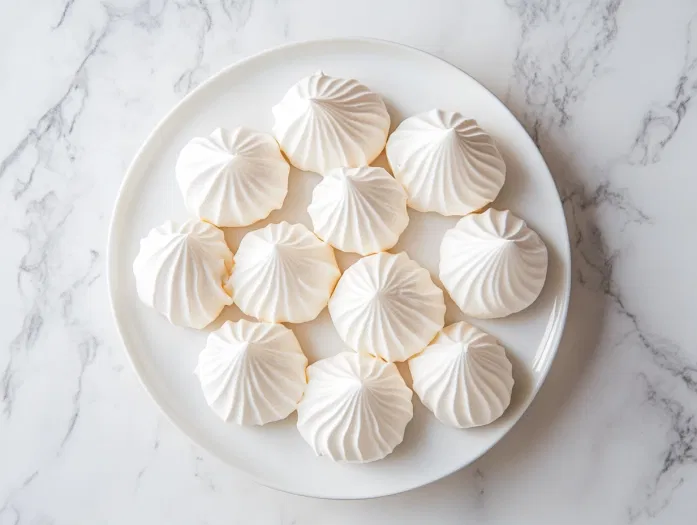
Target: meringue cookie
x=324, y=122
x=355, y=408
x=446, y=162
x=180, y=272
x=252, y=373
x=388, y=306
x=233, y=178
x=362, y=210
x=463, y=377
x=492, y=264
x=283, y=273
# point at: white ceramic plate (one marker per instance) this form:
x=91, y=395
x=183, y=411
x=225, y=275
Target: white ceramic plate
x=164, y=356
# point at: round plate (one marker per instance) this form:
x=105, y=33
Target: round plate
x=164, y=356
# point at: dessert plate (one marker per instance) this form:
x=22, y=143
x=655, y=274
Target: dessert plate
x=165, y=356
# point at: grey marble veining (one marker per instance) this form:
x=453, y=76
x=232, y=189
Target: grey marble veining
x=605, y=88
x=660, y=123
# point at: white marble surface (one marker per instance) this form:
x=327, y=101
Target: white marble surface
x=604, y=86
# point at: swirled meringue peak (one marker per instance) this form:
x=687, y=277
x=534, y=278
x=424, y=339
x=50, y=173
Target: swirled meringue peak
x=355, y=408
x=446, y=162
x=324, y=122
x=180, y=272
x=492, y=264
x=233, y=178
x=463, y=377
x=283, y=273
x=362, y=210
x=388, y=306
x=252, y=373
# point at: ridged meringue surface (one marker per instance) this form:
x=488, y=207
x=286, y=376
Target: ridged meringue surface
x=283, y=273
x=355, y=408
x=252, y=373
x=492, y=264
x=388, y=306
x=446, y=162
x=326, y=122
x=361, y=210
x=180, y=271
x=463, y=377
x=233, y=178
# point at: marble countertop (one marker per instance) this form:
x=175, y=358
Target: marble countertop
x=605, y=87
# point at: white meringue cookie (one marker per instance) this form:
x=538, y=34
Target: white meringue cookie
x=362, y=210
x=324, y=122
x=446, y=162
x=355, y=408
x=463, y=377
x=283, y=273
x=492, y=264
x=388, y=306
x=233, y=178
x=252, y=373
x=180, y=272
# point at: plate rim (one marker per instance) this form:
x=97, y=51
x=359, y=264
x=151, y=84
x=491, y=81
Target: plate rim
x=128, y=177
